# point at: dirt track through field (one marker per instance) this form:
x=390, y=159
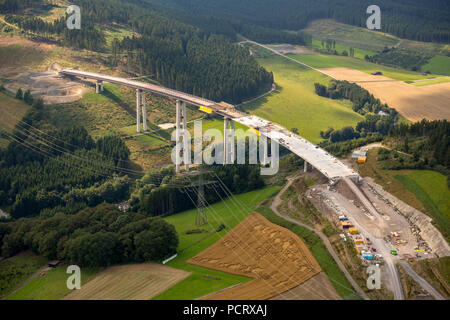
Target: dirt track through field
x=431, y=102
x=275, y=257
x=129, y=282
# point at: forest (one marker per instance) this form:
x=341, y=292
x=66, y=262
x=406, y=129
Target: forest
x=410, y=19
x=429, y=140
x=92, y=237
x=379, y=120
x=395, y=57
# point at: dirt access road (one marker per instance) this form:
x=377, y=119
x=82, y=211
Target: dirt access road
x=277, y=201
x=421, y=281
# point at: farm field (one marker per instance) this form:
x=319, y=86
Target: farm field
x=129, y=282
x=332, y=61
x=203, y=281
x=316, y=288
x=16, y=270
x=295, y=105
x=51, y=285
x=424, y=190
x=413, y=103
x=320, y=253
x=274, y=256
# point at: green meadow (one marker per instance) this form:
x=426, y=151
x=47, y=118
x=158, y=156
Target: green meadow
x=16, y=270
x=52, y=285
x=430, y=187
x=296, y=105
x=438, y=65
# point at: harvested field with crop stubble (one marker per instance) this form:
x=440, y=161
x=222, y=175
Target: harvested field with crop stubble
x=414, y=103
x=129, y=282
x=275, y=257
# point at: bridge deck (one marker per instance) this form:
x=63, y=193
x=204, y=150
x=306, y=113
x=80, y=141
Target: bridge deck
x=141, y=85
x=315, y=156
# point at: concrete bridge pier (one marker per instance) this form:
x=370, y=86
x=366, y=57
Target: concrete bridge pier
x=99, y=86
x=138, y=110
x=181, y=131
x=144, y=111
x=229, y=146
x=264, y=150
x=305, y=166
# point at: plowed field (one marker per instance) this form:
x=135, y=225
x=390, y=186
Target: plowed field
x=276, y=258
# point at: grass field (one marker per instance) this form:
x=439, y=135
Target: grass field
x=431, y=189
x=16, y=270
x=295, y=104
x=204, y=281
x=332, y=61
x=363, y=38
x=318, y=250
x=51, y=286
x=11, y=111
x=438, y=65
x=20, y=54
x=350, y=35
x=424, y=190
x=129, y=282
x=429, y=82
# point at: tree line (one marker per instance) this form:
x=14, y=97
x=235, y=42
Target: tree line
x=92, y=237
x=410, y=19
x=379, y=120
x=46, y=168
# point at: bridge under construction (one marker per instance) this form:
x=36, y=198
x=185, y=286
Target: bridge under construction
x=314, y=156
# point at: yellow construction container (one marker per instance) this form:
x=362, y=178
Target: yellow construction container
x=359, y=248
x=206, y=109
x=353, y=230
x=361, y=159
x=358, y=239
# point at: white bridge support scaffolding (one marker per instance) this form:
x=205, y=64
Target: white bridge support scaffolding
x=229, y=144
x=181, y=131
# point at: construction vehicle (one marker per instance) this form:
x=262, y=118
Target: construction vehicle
x=353, y=230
